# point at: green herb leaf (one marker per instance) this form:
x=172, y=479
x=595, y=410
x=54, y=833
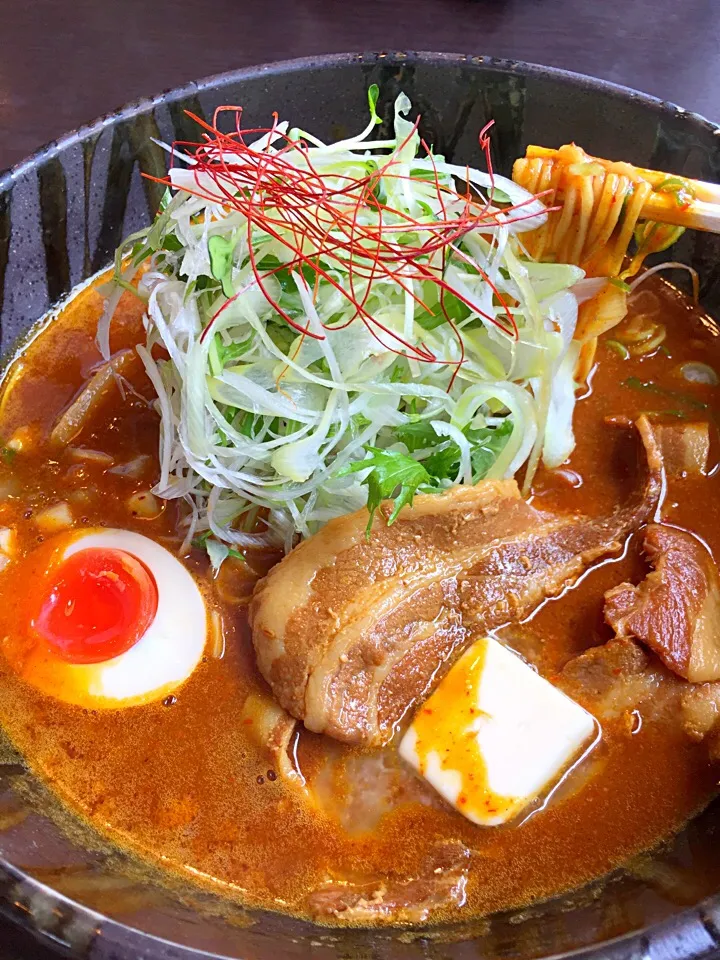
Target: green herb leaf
x=360, y=421
x=199, y=541
x=221, y=354
x=172, y=243
x=378, y=190
x=456, y=310
x=488, y=443
x=269, y=262
x=443, y=464
x=393, y=476
x=220, y=251
x=373, y=94
x=620, y=284
x=233, y=351
x=498, y=196
x=418, y=435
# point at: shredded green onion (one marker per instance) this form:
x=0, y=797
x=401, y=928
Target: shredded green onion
x=619, y=348
x=697, y=372
x=293, y=388
x=679, y=188
x=637, y=384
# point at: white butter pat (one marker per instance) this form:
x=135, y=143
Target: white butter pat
x=495, y=735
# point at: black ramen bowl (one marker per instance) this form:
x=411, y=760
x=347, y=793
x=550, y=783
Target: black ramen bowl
x=62, y=213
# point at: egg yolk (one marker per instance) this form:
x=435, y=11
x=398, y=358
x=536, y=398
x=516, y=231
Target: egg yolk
x=95, y=605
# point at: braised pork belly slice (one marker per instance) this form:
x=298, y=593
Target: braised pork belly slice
x=701, y=709
x=351, y=631
x=271, y=729
x=684, y=447
x=675, y=611
x=391, y=900
x=612, y=679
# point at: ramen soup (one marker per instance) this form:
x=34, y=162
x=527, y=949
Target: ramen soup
x=317, y=649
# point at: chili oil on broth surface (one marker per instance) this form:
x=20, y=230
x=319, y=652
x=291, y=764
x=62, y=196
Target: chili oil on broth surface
x=180, y=783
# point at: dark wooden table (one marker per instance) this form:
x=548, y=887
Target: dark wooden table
x=64, y=62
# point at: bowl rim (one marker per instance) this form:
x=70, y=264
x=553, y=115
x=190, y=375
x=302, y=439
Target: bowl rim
x=704, y=917
x=133, y=108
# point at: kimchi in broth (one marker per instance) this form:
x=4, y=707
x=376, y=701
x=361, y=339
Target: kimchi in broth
x=340, y=734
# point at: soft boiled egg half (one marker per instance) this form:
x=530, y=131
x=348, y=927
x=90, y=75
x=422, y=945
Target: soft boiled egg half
x=110, y=619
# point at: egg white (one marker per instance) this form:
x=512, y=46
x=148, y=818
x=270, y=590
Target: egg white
x=164, y=657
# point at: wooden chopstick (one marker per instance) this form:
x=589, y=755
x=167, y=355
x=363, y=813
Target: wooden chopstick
x=702, y=212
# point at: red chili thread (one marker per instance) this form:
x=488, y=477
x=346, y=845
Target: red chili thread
x=297, y=207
